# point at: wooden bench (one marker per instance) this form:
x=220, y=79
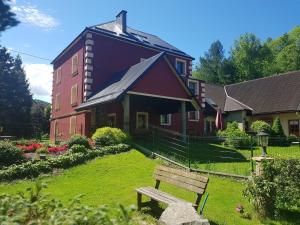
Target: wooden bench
x=187, y=180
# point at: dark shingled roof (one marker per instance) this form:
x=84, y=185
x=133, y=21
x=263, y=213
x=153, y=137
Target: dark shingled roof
x=215, y=96
x=277, y=93
x=121, y=82
x=138, y=37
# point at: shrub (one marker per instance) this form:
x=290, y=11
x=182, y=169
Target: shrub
x=78, y=140
x=260, y=125
x=42, y=150
x=277, y=189
x=235, y=137
x=34, y=169
x=106, y=136
x=34, y=207
x=277, y=128
x=292, y=138
x=9, y=154
x=78, y=149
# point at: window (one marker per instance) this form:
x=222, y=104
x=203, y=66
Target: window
x=74, y=95
x=112, y=120
x=72, y=125
x=58, y=76
x=75, y=64
x=193, y=116
x=165, y=119
x=294, y=127
x=57, y=101
x=142, y=120
x=56, y=129
x=194, y=87
x=181, y=66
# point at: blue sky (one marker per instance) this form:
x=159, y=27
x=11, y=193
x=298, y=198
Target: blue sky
x=49, y=25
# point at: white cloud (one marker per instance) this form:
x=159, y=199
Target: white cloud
x=40, y=80
x=30, y=14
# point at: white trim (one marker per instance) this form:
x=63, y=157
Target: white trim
x=88, y=61
x=158, y=96
x=169, y=116
x=89, y=35
x=88, y=74
x=197, y=86
x=89, y=42
x=197, y=116
x=184, y=62
x=88, y=81
x=89, y=55
x=88, y=48
x=147, y=119
x=88, y=67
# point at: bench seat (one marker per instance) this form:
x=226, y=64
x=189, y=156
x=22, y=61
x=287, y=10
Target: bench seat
x=158, y=195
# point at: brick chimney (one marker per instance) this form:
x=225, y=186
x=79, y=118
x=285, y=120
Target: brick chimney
x=121, y=20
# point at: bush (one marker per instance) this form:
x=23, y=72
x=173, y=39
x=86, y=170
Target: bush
x=292, y=138
x=34, y=169
x=260, y=125
x=9, y=154
x=277, y=189
x=78, y=140
x=78, y=149
x=106, y=136
x=234, y=137
x=277, y=128
x=42, y=150
x=35, y=208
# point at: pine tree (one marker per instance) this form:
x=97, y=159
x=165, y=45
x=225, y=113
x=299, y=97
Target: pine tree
x=277, y=128
x=7, y=18
x=15, y=97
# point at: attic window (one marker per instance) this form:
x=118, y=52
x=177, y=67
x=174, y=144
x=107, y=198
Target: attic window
x=181, y=67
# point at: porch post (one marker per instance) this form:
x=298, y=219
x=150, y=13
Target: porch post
x=126, y=113
x=183, y=119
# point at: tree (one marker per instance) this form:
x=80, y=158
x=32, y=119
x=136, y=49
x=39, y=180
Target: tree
x=277, y=128
x=214, y=67
x=249, y=56
x=7, y=18
x=15, y=96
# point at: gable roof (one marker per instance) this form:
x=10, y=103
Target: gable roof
x=121, y=82
x=137, y=37
x=277, y=93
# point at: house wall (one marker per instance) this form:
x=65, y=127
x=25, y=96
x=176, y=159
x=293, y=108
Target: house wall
x=238, y=116
x=62, y=115
x=284, y=119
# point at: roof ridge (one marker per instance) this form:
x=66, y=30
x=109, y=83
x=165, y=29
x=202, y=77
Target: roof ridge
x=237, y=101
x=261, y=78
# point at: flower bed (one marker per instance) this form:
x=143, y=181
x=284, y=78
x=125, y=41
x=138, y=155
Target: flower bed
x=29, y=148
x=58, y=149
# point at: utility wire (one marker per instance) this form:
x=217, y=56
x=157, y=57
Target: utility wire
x=24, y=53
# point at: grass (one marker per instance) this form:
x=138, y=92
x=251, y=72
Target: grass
x=215, y=157
x=112, y=179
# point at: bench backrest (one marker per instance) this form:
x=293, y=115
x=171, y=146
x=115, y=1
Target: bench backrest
x=187, y=180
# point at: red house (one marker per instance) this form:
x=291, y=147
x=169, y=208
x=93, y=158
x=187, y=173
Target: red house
x=113, y=75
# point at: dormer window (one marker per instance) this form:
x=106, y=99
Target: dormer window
x=181, y=67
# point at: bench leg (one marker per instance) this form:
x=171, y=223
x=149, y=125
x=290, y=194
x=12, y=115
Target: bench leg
x=139, y=201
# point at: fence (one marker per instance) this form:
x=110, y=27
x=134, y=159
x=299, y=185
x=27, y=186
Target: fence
x=210, y=153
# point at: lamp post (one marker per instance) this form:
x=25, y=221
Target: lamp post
x=263, y=139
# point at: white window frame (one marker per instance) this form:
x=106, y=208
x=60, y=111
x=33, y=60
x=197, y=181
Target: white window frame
x=74, y=72
x=147, y=119
x=197, y=116
x=169, y=120
x=184, y=63
x=115, y=118
x=197, y=85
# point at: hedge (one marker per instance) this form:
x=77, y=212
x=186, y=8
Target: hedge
x=35, y=168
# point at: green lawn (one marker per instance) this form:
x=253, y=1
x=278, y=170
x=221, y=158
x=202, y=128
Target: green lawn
x=112, y=180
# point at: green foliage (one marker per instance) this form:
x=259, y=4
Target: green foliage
x=277, y=189
x=40, y=116
x=106, y=136
x=9, y=154
x=260, y=125
x=42, y=150
x=78, y=149
x=15, y=97
x=277, y=128
x=250, y=58
x=34, y=169
x=7, y=17
x=39, y=209
x=78, y=140
x=292, y=138
x=234, y=137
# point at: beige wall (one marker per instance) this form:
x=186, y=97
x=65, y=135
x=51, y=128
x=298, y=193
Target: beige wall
x=284, y=118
